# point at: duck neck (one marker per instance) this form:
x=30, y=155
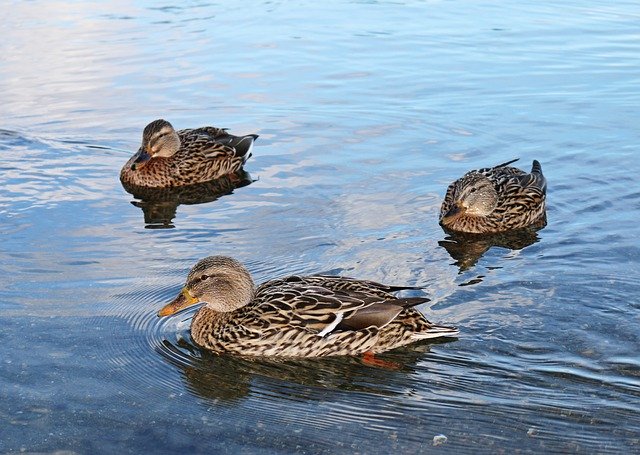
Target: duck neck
x=205, y=326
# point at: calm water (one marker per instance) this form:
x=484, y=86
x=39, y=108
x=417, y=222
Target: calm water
x=366, y=111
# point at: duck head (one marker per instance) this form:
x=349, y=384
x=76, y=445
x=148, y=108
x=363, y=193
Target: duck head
x=221, y=282
x=475, y=195
x=159, y=139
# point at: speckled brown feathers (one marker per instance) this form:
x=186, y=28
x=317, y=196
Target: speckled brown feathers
x=496, y=199
x=307, y=316
x=169, y=158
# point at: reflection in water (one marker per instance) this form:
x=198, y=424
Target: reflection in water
x=467, y=249
x=159, y=205
x=548, y=362
x=228, y=378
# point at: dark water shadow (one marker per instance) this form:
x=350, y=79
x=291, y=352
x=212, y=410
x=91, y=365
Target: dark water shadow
x=225, y=378
x=467, y=249
x=159, y=205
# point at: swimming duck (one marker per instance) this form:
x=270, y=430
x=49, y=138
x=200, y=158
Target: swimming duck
x=297, y=316
x=170, y=158
x=495, y=199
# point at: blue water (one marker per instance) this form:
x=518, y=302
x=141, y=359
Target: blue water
x=366, y=111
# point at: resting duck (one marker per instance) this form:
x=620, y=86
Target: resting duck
x=169, y=158
x=495, y=199
x=297, y=316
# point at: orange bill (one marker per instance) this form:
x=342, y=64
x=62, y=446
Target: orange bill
x=183, y=300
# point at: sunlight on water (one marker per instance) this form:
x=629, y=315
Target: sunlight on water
x=366, y=111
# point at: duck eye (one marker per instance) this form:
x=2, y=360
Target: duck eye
x=473, y=190
x=204, y=277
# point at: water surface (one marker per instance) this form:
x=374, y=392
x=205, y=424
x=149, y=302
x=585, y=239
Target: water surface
x=366, y=111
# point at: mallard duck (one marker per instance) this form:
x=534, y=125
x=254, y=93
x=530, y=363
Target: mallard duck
x=297, y=316
x=495, y=199
x=170, y=158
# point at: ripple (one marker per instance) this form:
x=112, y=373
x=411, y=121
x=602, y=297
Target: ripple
x=45, y=172
x=226, y=379
x=351, y=165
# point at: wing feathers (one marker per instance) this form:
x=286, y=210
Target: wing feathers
x=326, y=304
x=507, y=163
x=376, y=315
x=216, y=142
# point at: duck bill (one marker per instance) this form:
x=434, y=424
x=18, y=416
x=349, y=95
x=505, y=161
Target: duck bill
x=142, y=157
x=183, y=300
x=454, y=212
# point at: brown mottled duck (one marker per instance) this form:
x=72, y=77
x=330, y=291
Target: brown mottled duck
x=495, y=199
x=297, y=316
x=168, y=158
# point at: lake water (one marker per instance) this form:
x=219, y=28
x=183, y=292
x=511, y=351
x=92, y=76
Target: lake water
x=366, y=111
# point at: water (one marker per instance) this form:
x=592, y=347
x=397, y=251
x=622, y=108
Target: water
x=366, y=111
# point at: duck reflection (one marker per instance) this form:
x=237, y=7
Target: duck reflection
x=226, y=378
x=467, y=249
x=159, y=205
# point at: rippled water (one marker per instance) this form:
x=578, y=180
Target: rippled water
x=366, y=111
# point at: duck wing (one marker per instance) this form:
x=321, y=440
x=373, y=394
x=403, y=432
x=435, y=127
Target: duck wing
x=241, y=144
x=216, y=143
x=534, y=182
x=323, y=304
x=501, y=170
x=506, y=164
x=341, y=283
x=378, y=314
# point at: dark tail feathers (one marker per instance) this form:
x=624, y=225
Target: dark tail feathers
x=242, y=144
x=536, y=168
x=408, y=302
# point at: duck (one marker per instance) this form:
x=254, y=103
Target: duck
x=496, y=199
x=297, y=316
x=168, y=158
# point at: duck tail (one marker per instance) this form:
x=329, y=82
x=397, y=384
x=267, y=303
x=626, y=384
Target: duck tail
x=391, y=288
x=408, y=302
x=436, y=331
x=536, y=168
x=244, y=145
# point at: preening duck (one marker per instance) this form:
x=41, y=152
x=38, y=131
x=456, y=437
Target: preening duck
x=495, y=199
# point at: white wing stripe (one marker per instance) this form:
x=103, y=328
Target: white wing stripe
x=332, y=326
